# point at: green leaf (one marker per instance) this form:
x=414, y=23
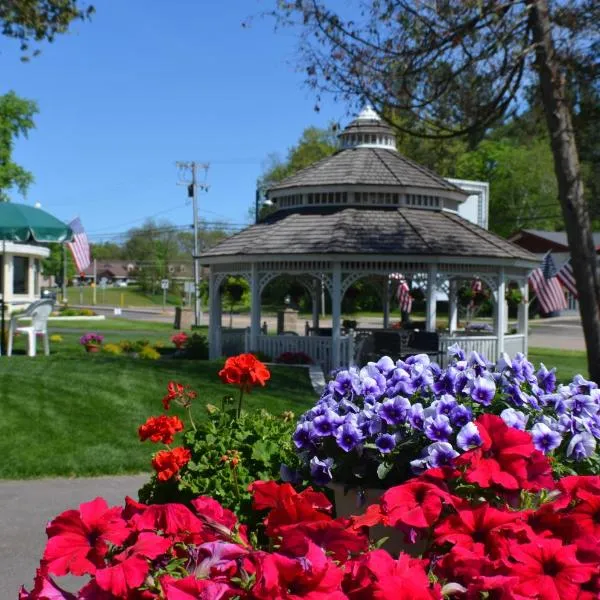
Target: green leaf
x=383, y=470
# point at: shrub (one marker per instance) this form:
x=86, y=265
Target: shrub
x=114, y=349
x=149, y=353
x=126, y=346
x=196, y=346
x=56, y=339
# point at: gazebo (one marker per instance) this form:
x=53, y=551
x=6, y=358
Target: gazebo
x=367, y=212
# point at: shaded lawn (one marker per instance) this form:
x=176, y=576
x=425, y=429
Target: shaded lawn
x=114, y=324
x=568, y=363
x=127, y=297
x=75, y=414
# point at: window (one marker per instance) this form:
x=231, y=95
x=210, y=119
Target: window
x=36, y=277
x=20, y=274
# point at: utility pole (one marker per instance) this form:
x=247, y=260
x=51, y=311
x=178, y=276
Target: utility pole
x=189, y=177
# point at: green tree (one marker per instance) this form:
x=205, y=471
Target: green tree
x=523, y=190
x=35, y=21
x=235, y=290
x=107, y=251
x=457, y=67
x=16, y=119
x=52, y=266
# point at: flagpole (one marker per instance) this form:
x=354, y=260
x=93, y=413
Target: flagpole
x=94, y=288
x=64, y=281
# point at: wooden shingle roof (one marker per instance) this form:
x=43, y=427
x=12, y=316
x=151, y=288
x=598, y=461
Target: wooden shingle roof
x=381, y=231
x=367, y=166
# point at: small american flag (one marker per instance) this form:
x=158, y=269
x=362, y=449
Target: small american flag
x=403, y=295
x=547, y=287
x=79, y=247
x=477, y=286
x=566, y=277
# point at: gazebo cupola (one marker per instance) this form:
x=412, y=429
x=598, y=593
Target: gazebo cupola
x=368, y=131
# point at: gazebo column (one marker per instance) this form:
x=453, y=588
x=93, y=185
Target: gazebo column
x=214, y=322
x=523, y=314
x=315, y=295
x=501, y=323
x=386, y=303
x=336, y=313
x=254, y=308
x=430, y=317
x=452, y=305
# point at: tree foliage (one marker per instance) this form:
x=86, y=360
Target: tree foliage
x=16, y=119
x=34, y=21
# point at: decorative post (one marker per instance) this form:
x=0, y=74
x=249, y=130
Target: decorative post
x=214, y=323
x=453, y=305
x=336, y=310
x=386, y=302
x=523, y=314
x=315, y=296
x=500, y=313
x=254, y=308
x=430, y=319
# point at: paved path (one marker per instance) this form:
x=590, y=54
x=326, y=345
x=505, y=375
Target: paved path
x=27, y=506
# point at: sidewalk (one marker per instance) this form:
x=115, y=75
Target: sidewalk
x=27, y=506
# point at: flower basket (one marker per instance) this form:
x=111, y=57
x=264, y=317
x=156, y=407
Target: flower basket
x=92, y=348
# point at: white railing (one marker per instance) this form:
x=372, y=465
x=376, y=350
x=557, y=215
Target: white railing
x=232, y=342
x=485, y=345
x=515, y=343
x=315, y=346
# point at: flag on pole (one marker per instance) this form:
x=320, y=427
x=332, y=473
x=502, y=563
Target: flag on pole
x=79, y=247
x=403, y=293
x=476, y=286
x=546, y=285
x=566, y=277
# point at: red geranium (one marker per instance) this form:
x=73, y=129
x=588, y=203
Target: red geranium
x=179, y=339
x=179, y=393
x=167, y=463
x=160, y=429
x=245, y=371
x=78, y=540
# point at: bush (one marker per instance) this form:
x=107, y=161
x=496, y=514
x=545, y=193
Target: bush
x=56, y=339
x=114, y=349
x=149, y=353
x=196, y=346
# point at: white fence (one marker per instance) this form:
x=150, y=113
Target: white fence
x=232, y=342
x=486, y=345
x=317, y=347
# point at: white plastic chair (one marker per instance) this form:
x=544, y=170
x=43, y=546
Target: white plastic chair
x=38, y=312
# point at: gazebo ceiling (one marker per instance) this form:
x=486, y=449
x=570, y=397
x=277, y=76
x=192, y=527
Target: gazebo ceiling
x=368, y=231
x=367, y=166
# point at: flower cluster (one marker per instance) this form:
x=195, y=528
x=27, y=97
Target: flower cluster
x=395, y=419
x=244, y=371
x=179, y=339
x=91, y=339
x=178, y=393
x=294, y=358
x=539, y=546
x=160, y=429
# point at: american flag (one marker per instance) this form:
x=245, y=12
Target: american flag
x=79, y=247
x=566, y=277
x=547, y=287
x=476, y=286
x=403, y=294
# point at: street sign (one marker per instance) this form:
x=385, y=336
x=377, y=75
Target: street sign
x=164, y=284
x=188, y=287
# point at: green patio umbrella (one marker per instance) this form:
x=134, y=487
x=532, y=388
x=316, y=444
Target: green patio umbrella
x=23, y=223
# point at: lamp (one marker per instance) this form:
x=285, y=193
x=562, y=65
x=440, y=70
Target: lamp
x=258, y=204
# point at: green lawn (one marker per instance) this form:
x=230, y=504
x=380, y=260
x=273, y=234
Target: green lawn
x=124, y=297
x=75, y=414
x=115, y=324
x=568, y=363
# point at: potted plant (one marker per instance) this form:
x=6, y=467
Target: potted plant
x=376, y=427
x=91, y=341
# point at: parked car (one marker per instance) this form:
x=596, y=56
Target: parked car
x=48, y=294
x=120, y=283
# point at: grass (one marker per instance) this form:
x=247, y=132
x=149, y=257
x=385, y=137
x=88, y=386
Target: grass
x=123, y=297
x=76, y=414
x=568, y=363
x=115, y=324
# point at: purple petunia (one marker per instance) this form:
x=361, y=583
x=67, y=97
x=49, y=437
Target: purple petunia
x=483, y=390
x=320, y=470
x=468, y=437
x=326, y=424
x=581, y=446
x=303, y=435
x=440, y=454
x=385, y=443
x=460, y=415
x=348, y=436
x=514, y=418
x=394, y=410
x=545, y=439
x=438, y=428
x=546, y=379
x=415, y=416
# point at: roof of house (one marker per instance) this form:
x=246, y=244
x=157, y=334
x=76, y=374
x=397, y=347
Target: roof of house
x=367, y=166
x=391, y=231
x=556, y=237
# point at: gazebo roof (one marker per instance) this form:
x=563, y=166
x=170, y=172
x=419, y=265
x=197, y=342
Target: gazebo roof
x=367, y=231
x=367, y=166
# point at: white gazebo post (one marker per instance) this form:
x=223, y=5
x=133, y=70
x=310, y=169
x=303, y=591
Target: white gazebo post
x=254, y=308
x=214, y=323
x=336, y=310
x=315, y=295
x=386, y=303
x=452, y=305
x=501, y=323
x=430, y=317
x=523, y=313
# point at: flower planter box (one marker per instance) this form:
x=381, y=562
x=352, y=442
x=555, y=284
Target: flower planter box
x=92, y=348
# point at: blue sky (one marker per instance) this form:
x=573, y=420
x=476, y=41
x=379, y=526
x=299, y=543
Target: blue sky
x=146, y=83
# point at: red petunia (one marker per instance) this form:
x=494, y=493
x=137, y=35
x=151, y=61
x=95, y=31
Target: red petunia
x=177, y=522
x=506, y=458
x=44, y=587
x=167, y=463
x=78, y=540
x=548, y=570
x=245, y=371
x=160, y=429
x=191, y=588
x=413, y=504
